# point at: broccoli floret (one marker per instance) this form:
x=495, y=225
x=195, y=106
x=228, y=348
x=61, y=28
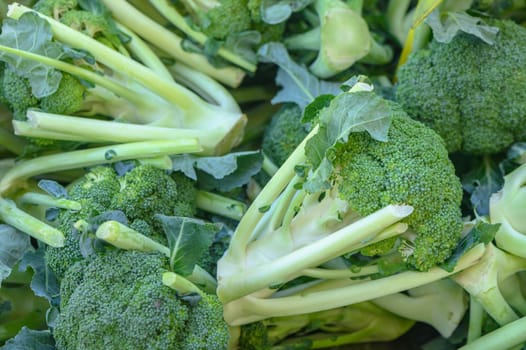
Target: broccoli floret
x=94, y=191
x=284, y=133
x=116, y=300
x=218, y=19
x=469, y=92
x=146, y=191
x=411, y=168
x=17, y=93
x=68, y=99
x=54, y=8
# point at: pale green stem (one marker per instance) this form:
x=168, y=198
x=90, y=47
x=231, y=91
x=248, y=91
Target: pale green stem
x=251, y=308
x=19, y=219
x=95, y=156
x=180, y=22
x=169, y=42
x=220, y=205
x=180, y=284
x=476, y=320
x=281, y=269
x=506, y=337
x=48, y=201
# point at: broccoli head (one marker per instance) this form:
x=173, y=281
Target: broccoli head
x=116, y=300
x=412, y=168
x=472, y=93
x=284, y=133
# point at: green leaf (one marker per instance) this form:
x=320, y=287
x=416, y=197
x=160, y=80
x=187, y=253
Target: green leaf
x=28, y=339
x=53, y=188
x=223, y=173
x=480, y=233
x=277, y=11
x=311, y=114
x=348, y=112
x=44, y=282
x=188, y=239
x=13, y=245
x=32, y=33
x=298, y=84
x=446, y=26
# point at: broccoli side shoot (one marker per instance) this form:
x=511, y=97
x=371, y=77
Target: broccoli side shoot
x=116, y=300
x=94, y=192
x=413, y=168
x=470, y=92
x=284, y=133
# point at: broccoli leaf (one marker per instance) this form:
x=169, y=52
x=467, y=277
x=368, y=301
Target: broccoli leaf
x=33, y=34
x=299, y=85
x=480, y=233
x=450, y=24
x=188, y=239
x=223, y=173
x=53, y=188
x=277, y=11
x=44, y=282
x=361, y=111
x=28, y=339
x=13, y=245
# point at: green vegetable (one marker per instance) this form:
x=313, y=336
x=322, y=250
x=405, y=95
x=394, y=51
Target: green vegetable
x=469, y=104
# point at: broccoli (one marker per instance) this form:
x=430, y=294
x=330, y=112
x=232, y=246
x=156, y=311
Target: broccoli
x=357, y=323
x=145, y=103
x=471, y=93
x=284, y=133
x=506, y=208
x=117, y=300
x=339, y=19
x=338, y=192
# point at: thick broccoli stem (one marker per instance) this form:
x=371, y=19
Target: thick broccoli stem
x=180, y=284
x=94, y=156
x=19, y=219
x=180, y=22
x=220, y=205
x=507, y=209
x=505, y=337
x=123, y=237
x=257, y=277
x=476, y=320
x=55, y=126
x=48, y=201
x=169, y=42
x=251, y=308
x=482, y=282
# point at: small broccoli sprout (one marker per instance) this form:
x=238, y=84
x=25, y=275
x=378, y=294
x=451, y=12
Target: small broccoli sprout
x=507, y=208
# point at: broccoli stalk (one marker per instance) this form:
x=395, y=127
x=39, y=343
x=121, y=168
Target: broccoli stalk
x=171, y=43
x=339, y=19
x=508, y=336
x=483, y=282
x=507, y=209
x=159, y=101
x=441, y=304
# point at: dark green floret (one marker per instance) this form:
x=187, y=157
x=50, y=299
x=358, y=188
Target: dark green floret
x=472, y=93
x=284, y=133
x=411, y=168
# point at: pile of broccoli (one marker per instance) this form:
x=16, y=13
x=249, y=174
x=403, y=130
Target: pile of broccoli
x=262, y=175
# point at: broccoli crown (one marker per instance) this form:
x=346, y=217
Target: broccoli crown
x=140, y=194
x=94, y=192
x=412, y=168
x=209, y=330
x=254, y=336
x=284, y=133
x=16, y=91
x=68, y=99
x=471, y=93
x=116, y=300
x=230, y=16
x=146, y=191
